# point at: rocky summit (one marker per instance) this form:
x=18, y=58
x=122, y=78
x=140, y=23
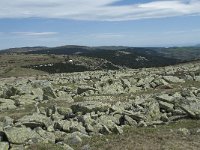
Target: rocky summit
x=66, y=109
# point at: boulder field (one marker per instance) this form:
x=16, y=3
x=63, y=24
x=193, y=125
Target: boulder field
x=64, y=109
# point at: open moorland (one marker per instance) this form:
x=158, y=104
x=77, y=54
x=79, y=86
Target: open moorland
x=73, y=101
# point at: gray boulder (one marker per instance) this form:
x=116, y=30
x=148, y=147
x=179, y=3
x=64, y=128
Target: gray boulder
x=190, y=106
x=152, y=112
x=90, y=106
x=9, y=91
x=130, y=121
x=82, y=89
x=173, y=79
x=48, y=93
x=72, y=140
x=166, y=106
x=35, y=120
x=64, y=111
x=7, y=121
x=64, y=96
x=6, y=104
x=197, y=78
x=46, y=136
x=20, y=135
x=165, y=98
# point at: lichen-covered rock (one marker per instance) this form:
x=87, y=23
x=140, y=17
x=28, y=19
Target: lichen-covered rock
x=90, y=106
x=4, y=146
x=7, y=121
x=152, y=111
x=6, y=104
x=69, y=126
x=83, y=89
x=197, y=78
x=61, y=95
x=166, y=106
x=165, y=98
x=73, y=140
x=190, y=106
x=9, y=91
x=20, y=135
x=24, y=99
x=35, y=120
x=129, y=121
x=64, y=111
x=49, y=93
x=173, y=79
x=46, y=136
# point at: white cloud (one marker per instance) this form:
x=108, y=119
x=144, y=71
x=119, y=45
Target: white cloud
x=34, y=33
x=100, y=10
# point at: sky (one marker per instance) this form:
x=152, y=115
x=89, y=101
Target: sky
x=99, y=23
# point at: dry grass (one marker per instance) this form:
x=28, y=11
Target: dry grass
x=45, y=147
x=12, y=65
x=149, y=138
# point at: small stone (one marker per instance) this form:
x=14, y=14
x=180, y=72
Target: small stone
x=73, y=140
x=183, y=131
x=142, y=124
x=86, y=147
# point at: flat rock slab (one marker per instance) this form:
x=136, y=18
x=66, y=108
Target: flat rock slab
x=35, y=120
x=90, y=106
x=20, y=135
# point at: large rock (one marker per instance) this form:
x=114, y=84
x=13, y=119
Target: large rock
x=190, y=106
x=38, y=93
x=24, y=99
x=72, y=140
x=64, y=111
x=48, y=93
x=165, y=98
x=158, y=82
x=166, y=106
x=110, y=87
x=6, y=104
x=69, y=126
x=9, y=91
x=152, y=112
x=106, y=121
x=173, y=79
x=197, y=78
x=135, y=115
x=129, y=121
x=90, y=106
x=20, y=135
x=64, y=96
x=46, y=136
x=83, y=89
x=7, y=121
x=144, y=82
x=35, y=120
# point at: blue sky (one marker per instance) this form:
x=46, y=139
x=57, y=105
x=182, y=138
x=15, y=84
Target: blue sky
x=99, y=22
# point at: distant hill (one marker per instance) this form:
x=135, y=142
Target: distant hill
x=22, y=49
x=121, y=56
x=181, y=53
x=130, y=57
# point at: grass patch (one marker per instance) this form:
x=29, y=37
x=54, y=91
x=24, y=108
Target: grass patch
x=45, y=147
x=162, y=137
